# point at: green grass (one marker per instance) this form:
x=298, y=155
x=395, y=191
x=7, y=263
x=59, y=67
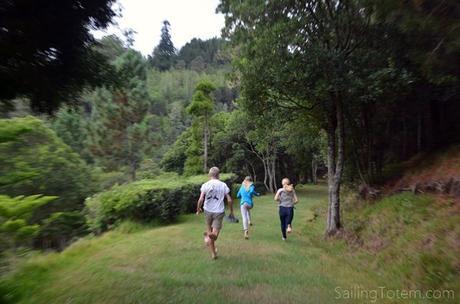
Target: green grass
x=169, y=264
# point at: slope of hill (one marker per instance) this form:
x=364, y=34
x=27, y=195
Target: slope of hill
x=169, y=264
x=403, y=242
x=413, y=233
x=436, y=172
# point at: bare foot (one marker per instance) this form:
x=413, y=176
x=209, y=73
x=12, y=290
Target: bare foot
x=289, y=229
x=246, y=235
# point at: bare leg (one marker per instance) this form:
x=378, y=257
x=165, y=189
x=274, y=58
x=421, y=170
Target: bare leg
x=208, y=232
x=212, y=245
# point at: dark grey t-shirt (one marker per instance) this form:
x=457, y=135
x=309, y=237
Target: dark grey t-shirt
x=286, y=198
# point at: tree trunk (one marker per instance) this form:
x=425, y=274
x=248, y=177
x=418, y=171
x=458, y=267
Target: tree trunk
x=335, y=160
x=254, y=175
x=314, y=171
x=272, y=162
x=133, y=170
x=265, y=174
x=419, y=132
x=205, y=145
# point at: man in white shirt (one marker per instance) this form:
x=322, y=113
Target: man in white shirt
x=212, y=194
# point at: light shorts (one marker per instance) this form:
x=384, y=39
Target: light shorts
x=214, y=219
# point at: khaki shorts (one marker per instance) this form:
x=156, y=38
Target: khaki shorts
x=214, y=219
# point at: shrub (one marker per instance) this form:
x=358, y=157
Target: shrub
x=154, y=199
x=235, y=188
x=106, y=180
x=60, y=229
x=34, y=160
x=15, y=213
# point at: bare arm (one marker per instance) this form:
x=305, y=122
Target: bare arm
x=200, y=203
x=230, y=203
x=277, y=195
x=296, y=200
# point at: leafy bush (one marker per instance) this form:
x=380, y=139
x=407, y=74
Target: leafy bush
x=60, y=229
x=154, y=199
x=260, y=188
x=33, y=159
x=15, y=229
x=106, y=180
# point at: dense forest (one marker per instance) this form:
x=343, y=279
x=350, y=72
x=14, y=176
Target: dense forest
x=342, y=92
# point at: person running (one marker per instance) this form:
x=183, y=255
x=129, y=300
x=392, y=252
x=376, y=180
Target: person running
x=286, y=198
x=245, y=194
x=212, y=194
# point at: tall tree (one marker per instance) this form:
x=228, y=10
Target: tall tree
x=45, y=48
x=201, y=108
x=164, y=54
x=304, y=56
x=110, y=46
x=120, y=135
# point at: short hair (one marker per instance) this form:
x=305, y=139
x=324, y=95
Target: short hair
x=248, y=178
x=214, y=172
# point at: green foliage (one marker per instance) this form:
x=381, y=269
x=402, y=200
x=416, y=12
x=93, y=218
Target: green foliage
x=411, y=231
x=131, y=67
x=209, y=52
x=389, y=66
x=105, y=180
x=174, y=159
x=149, y=169
x=71, y=125
x=202, y=103
x=201, y=109
x=110, y=46
x=160, y=199
x=60, y=229
x=122, y=125
x=15, y=215
x=49, y=57
x=38, y=161
x=164, y=54
x=133, y=254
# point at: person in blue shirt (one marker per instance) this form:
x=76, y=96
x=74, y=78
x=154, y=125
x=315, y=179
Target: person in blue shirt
x=245, y=194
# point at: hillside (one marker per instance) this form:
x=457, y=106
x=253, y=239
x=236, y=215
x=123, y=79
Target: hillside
x=437, y=172
x=169, y=264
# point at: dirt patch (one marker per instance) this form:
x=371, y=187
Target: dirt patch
x=435, y=173
x=376, y=243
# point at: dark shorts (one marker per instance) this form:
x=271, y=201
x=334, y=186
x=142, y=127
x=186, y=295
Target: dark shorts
x=214, y=219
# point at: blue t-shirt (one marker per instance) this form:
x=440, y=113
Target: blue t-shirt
x=245, y=196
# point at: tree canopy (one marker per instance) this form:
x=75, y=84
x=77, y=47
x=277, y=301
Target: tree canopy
x=164, y=55
x=45, y=49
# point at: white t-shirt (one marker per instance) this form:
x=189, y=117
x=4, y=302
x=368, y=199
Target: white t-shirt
x=215, y=192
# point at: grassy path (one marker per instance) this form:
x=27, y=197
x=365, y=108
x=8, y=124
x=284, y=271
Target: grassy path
x=170, y=264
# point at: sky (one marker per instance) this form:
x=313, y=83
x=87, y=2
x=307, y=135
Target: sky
x=189, y=19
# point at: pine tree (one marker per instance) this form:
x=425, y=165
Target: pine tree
x=121, y=136
x=164, y=54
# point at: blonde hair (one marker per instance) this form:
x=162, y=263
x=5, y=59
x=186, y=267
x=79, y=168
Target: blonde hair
x=214, y=172
x=287, y=184
x=247, y=182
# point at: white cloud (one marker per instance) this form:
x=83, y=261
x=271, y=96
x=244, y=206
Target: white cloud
x=189, y=19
